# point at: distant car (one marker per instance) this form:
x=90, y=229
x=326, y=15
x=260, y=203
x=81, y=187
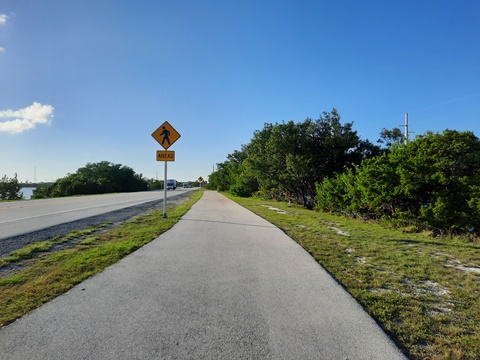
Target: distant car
x=185, y=185
x=171, y=184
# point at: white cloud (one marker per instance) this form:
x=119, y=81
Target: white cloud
x=17, y=121
x=2, y=49
x=3, y=19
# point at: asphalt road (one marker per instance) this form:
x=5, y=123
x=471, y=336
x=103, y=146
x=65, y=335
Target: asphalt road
x=21, y=217
x=221, y=284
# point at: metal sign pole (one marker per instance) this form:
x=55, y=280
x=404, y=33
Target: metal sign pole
x=165, y=135
x=165, y=193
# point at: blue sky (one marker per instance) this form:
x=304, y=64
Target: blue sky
x=86, y=81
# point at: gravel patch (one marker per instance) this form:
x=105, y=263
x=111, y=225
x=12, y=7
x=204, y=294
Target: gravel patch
x=339, y=232
x=456, y=264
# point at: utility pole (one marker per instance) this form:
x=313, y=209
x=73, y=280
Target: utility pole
x=406, y=128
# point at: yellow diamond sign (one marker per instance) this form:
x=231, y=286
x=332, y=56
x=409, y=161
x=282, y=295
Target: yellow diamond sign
x=166, y=135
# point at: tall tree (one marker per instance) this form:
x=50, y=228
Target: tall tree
x=290, y=158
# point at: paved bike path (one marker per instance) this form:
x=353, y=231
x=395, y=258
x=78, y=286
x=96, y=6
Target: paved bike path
x=221, y=284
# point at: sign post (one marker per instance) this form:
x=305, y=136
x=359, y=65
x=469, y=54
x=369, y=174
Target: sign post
x=165, y=135
x=165, y=191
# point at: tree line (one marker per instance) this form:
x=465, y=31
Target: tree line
x=433, y=182
x=94, y=178
x=288, y=159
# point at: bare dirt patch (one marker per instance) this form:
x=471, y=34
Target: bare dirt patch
x=277, y=210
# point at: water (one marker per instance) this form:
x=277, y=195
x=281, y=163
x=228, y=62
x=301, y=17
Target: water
x=27, y=192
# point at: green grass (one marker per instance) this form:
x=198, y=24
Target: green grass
x=26, y=252
x=48, y=273
x=32, y=249
x=412, y=284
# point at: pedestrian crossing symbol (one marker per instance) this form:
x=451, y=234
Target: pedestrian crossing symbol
x=166, y=135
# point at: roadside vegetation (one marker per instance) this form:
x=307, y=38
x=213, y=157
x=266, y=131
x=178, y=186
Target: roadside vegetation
x=424, y=291
x=39, y=272
x=97, y=178
x=10, y=188
x=94, y=178
x=288, y=159
x=431, y=183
